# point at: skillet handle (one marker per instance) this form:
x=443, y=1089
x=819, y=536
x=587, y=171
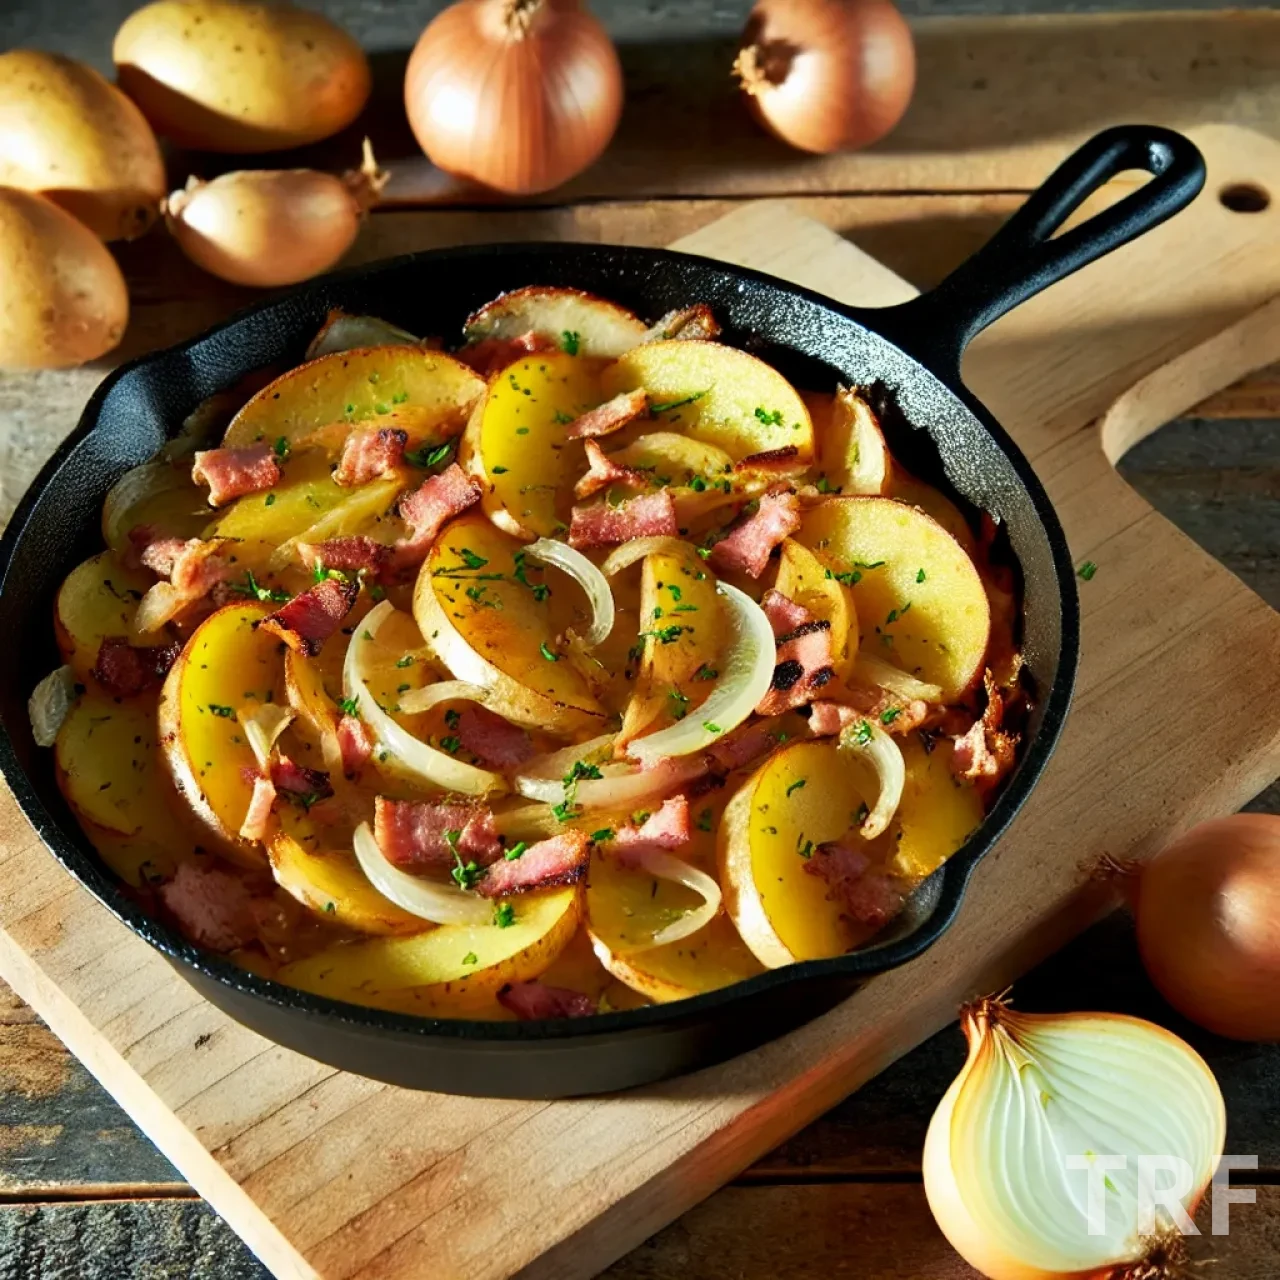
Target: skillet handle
x=1024, y=256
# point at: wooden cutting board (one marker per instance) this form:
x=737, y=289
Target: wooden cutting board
x=1177, y=717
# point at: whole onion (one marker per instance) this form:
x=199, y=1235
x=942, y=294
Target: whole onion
x=519, y=95
x=827, y=75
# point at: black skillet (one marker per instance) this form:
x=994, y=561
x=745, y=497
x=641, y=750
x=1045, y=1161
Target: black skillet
x=912, y=352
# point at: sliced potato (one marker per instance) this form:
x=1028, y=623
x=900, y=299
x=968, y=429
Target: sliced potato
x=676, y=458
x=717, y=394
x=351, y=386
x=806, y=581
x=228, y=666
x=580, y=322
x=515, y=443
x=938, y=812
x=450, y=968
x=804, y=795
x=330, y=883
x=487, y=627
x=906, y=488
x=160, y=495
x=919, y=598
x=98, y=598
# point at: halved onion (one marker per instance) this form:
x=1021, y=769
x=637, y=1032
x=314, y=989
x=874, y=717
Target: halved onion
x=746, y=671
x=400, y=751
x=427, y=899
x=262, y=727
x=869, y=742
x=587, y=576
x=666, y=866
x=884, y=675
x=629, y=552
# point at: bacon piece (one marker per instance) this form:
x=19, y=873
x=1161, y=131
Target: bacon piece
x=784, y=461
x=690, y=324
x=156, y=554
x=496, y=742
x=491, y=354
x=803, y=667
x=349, y=555
x=601, y=525
x=743, y=748
x=611, y=416
x=309, y=619
x=985, y=754
x=231, y=473
x=213, y=908
x=560, y=860
x=123, y=670
x=829, y=718
x=428, y=507
x=603, y=472
x=296, y=779
x=355, y=743
x=369, y=453
x=412, y=835
x=747, y=548
x=667, y=829
x=258, y=818
x=783, y=613
x=868, y=897
x=533, y=1000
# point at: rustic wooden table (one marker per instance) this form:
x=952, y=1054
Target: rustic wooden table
x=83, y=1193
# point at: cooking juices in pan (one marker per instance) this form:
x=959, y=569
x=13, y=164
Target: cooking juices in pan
x=592, y=665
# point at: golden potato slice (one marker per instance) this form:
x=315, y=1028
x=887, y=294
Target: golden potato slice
x=351, y=386
x=938, y=812
x=580, y=322
x=906, y=488
x=920, y=601
x=98, y=598
x=515, y=443
x=330, y=883
x=228, y=667
x=804, y=795
x=804, y=579
x=716, y=394
x=448, y=969
x=486, y=626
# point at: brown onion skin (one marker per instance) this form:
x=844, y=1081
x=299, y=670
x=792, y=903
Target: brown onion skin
x=527, y=110
x=1208, y=917
x=828, y=75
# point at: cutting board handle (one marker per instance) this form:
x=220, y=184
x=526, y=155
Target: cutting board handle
x=1024, y=256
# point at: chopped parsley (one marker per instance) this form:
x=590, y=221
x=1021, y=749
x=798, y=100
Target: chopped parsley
x=547, y=653
x=667, y=405
x=875, y=564
x=469, y=558
x=452, y=717
x=893, y=617
x=471, y=958
x=429, y=455
x=540, y=591
x=406, y=661
x=1087, y=570
x=331, y=907
x=227, y=713
x=281, y=447
x=255, y=590
x=570, y=341
x=863, y=733
x=797, y=785
x=890, y=714
x=773, y=419
x=499, y=471
x=270, y=501
x=504, y=915
x=563, y=419
x=825, y=486
x=920, y=575
x=705, y=672
x=704, y=820
x=666, y=635
x=697, y=484
x=805, y=847
x=400, y=397
x=465, y=874
x=319, y=573
x=850, y=577
x=565, y=809
x=678, y=704
x=450, y=744
x=516, y=851
x=711, y=727
x=349, y=707
x=704, y=552
x=603, y=836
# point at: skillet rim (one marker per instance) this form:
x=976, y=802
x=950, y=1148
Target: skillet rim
x=86, y=868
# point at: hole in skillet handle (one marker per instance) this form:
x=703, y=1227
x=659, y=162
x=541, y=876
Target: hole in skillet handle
x=1244, y=197
x=1025, y=256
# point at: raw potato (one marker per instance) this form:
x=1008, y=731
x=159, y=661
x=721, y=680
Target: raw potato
x=431, y=389
x=449, y=969
x=98, y=598
x=597, y=327
x=806, y=581
x=63, y=299
x=221, y=76
x=743, y=406
x=228, y=666
x=515, y=443
x=505, y=626
x=71, y=135
x=923, y=606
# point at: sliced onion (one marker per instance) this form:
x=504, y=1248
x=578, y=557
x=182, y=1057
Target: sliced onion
x=588, y=577
x=262, y=727
x=666, y=866
x=426, y=899
x=621, y=788
x=870, y=742
x=629, y=552
x=162, y=603
x=884, y=675
x=49, y=704
x=866, y=464
x=418, y=700
x=746, y=672
x=343, y=332
x=133, y=488
x=406, y=754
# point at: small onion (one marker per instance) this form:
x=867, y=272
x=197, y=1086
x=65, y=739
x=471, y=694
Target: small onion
x=745, y=675
x=588, y=577
x=827, y=75
x=50, y=702
x=884, y=675
x=519, y=95
x=1053, y=1112
x=666, y=866
x=1208, y=916
x=406, y=754
x=267, y=227
x=439, y=903
x=884, y=756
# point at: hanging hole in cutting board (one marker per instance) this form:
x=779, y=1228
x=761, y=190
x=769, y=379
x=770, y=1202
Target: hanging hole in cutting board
x=1244, y=197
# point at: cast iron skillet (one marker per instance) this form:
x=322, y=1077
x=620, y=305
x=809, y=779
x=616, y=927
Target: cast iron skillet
x=911, y=351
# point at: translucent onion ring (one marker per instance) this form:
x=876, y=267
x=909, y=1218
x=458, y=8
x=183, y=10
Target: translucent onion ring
x=262, y=727
x=666, y=866
x=629, y=552
x=884, y=675
x=884, y=756
x=588, y=577
x=426, y=899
